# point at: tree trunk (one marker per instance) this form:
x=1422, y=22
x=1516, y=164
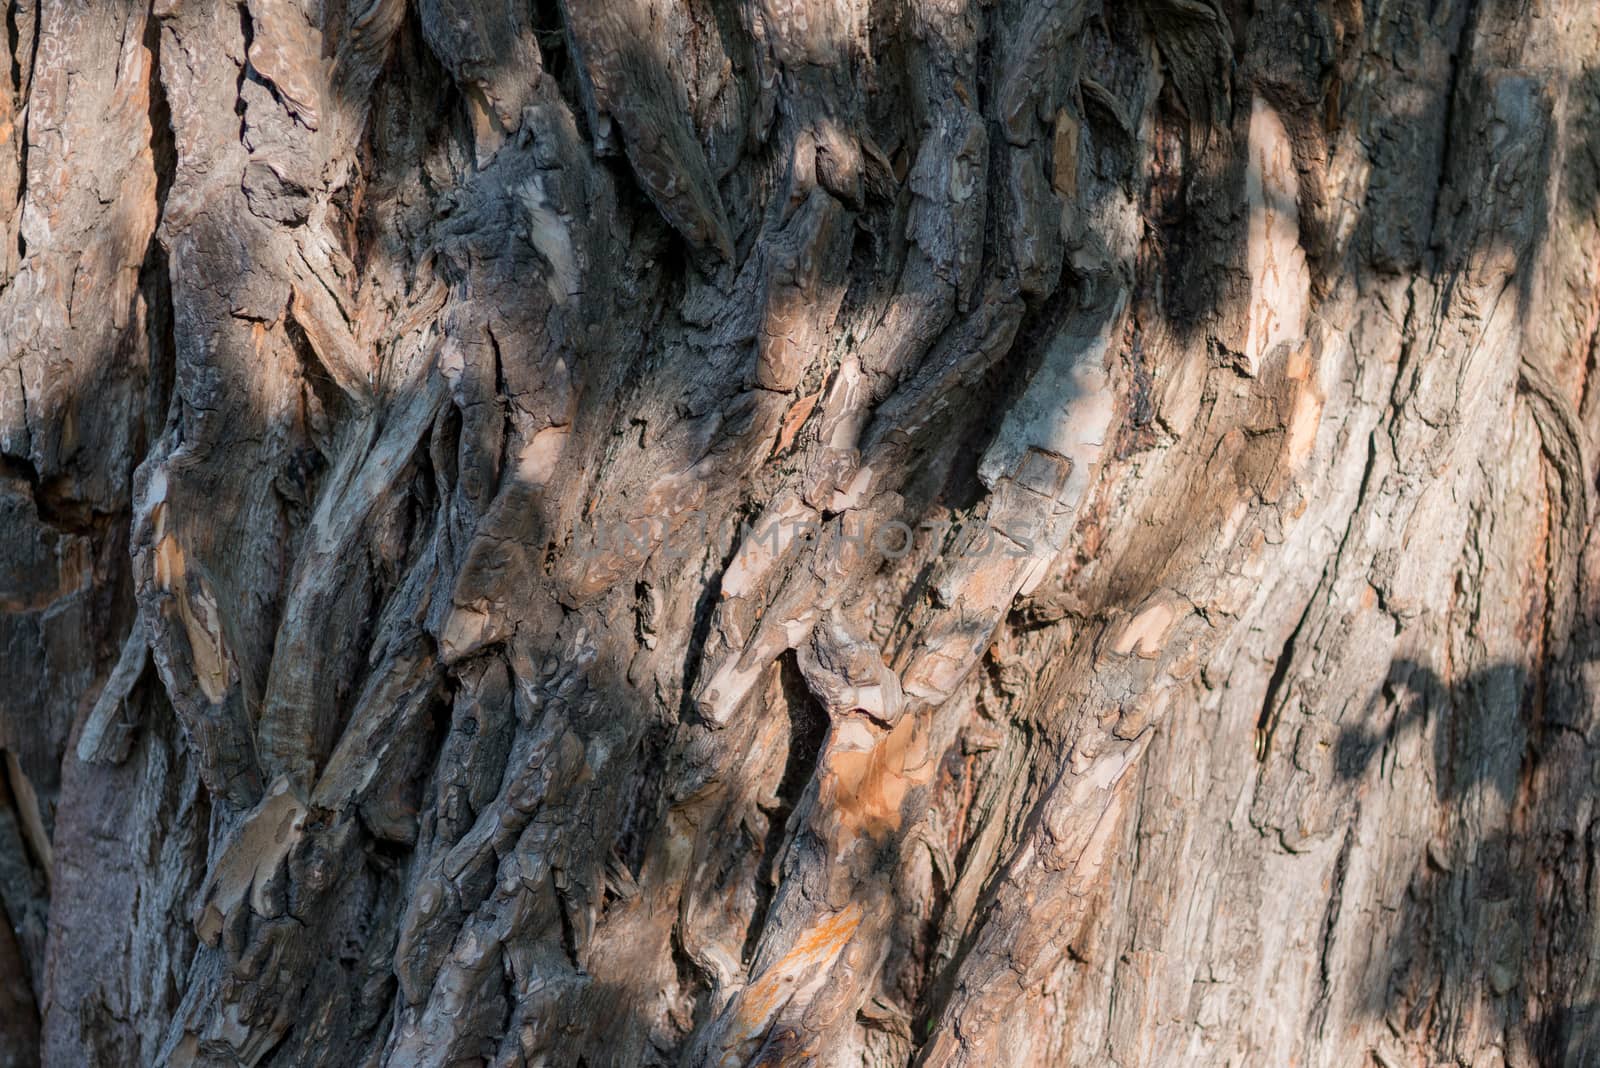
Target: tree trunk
x=776, y=532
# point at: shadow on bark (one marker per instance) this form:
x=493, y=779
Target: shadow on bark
x=1500, y=895
x=453, y=894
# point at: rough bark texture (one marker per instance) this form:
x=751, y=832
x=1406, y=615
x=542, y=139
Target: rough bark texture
x=775, y=532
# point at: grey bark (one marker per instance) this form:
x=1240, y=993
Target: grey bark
x=776, y=532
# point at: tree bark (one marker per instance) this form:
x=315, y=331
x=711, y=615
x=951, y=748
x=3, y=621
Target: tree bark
x=777, y=532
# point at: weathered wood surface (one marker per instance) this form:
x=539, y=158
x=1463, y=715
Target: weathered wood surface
x=756, y=532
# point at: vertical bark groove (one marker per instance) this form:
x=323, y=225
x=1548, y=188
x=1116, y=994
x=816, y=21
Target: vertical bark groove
x=787, y=532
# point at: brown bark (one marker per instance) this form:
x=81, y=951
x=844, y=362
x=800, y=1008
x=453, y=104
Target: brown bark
x=757, y=532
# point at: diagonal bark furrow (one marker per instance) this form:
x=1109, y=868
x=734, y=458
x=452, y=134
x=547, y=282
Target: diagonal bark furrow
x=789, y=532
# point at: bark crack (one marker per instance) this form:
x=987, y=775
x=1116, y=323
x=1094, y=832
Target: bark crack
x=1271, y=705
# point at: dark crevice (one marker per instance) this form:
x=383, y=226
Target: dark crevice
x=639, y=812
x=17, y=995
x=54, y=499
x=155, y=283
x=326, y=406
x=163, y=138
x=505, y=463
x=569, y=936
x=155, y=277
x=13, y=38
x=992, y=261
x=247, y=29
x=1002, y=384
x=1460, y=63
x=556, y=53
x=1267, y=720
x=1330, y=923
x=19, y=111
x=30, y=897
x=808, y=728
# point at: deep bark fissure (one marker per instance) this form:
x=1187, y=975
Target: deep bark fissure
x=378, y=701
